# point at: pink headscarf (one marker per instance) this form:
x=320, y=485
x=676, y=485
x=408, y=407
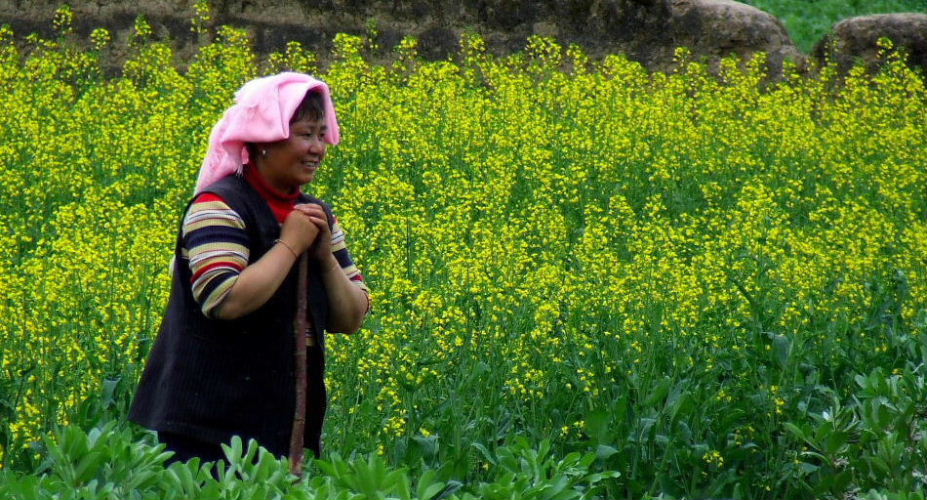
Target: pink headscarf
x=261, y=113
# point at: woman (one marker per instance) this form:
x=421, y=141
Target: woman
x=223, y=363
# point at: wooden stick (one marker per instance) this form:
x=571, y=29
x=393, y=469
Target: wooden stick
x=300, y=326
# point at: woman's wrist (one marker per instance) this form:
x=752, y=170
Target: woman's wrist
x=287, y=246
x=330, y=264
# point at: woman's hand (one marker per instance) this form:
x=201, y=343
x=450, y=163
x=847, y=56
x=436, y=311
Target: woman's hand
x=300, y=231
x=321, y=248
x=260, y=280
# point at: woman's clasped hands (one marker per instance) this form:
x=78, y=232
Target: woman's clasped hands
x=307, y=229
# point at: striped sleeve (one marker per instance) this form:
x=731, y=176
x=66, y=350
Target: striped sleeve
x=216, y=246
x=343, y=256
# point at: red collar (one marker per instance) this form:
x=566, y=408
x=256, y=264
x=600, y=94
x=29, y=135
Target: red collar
x=281, y=203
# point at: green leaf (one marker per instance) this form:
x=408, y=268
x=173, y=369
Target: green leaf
x=428, y=445
x=782, y=347
x=428, y=485
x=657, y=396
x=89, y=466
x=603, y=452
x=795, y=431
x=597, y=477
x=807, y=468
x=835, y=442
x=485, y=452
x=597, y=425
x=430, y=491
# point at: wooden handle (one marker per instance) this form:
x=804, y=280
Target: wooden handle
x=300, y=326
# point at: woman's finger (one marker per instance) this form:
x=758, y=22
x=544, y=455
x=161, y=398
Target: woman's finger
x=296, y=213
x=321, y=222
x=314, y=210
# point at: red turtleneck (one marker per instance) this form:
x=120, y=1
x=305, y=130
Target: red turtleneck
x=281, y=203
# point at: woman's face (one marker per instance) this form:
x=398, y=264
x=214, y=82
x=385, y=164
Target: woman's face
x=293, y=162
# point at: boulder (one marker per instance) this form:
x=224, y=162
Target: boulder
x=856, y=40
x=718, y=28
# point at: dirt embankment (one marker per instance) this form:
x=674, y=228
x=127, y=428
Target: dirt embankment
x=647, y=31
x=637, y=28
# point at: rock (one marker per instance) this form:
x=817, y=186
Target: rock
x=437, y=40
x=718, y=28
x=617, y=20
x=856, y=39
x=636, y=28
x=546, y=29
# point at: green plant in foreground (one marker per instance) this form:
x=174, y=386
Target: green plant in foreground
x=529, y=473
x=110, y=462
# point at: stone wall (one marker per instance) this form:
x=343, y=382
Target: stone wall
x=647, y=31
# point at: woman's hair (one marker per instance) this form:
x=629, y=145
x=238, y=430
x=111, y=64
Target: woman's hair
x=312, y=107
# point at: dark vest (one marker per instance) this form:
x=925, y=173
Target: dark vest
x=211, y=379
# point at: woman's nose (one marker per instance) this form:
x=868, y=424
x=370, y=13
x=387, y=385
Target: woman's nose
x=317, y=144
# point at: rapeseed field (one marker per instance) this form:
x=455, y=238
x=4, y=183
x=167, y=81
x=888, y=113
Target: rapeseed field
x=716, y=283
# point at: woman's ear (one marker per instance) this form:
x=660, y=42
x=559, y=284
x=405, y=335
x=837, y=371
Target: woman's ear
x=255, y=150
